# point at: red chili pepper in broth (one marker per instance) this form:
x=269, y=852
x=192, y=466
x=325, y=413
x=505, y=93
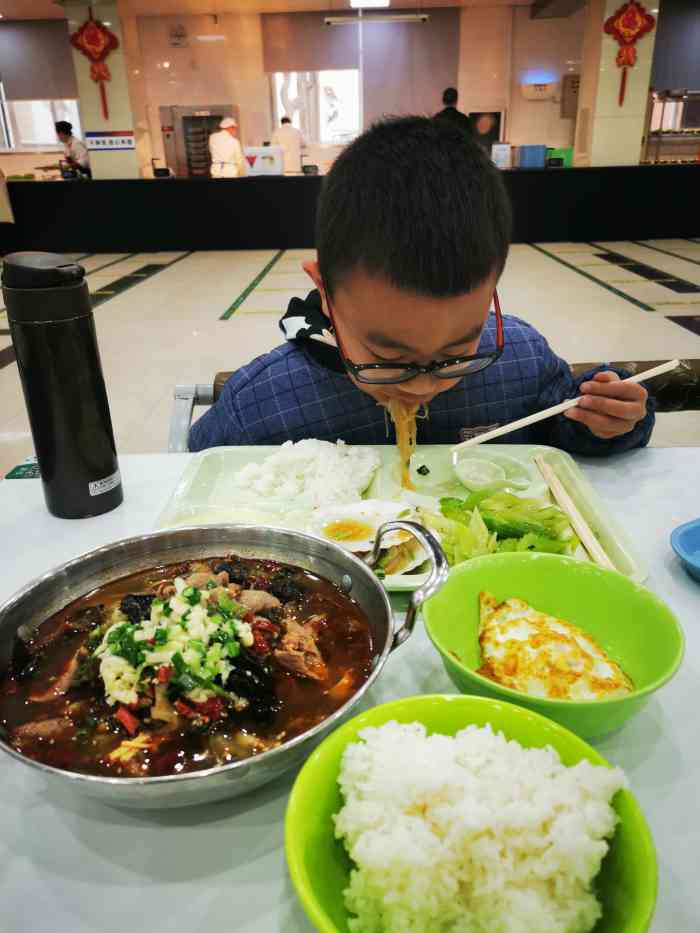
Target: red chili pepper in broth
x=184, y=709
x=266, y=626
x=212, y=708
x=260, y=644
x=164, y=674
x=128, y=720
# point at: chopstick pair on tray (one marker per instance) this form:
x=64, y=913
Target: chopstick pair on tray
x=556, y=487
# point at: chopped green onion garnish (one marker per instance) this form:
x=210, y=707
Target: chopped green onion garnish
x=225, y=602
x=191, y=595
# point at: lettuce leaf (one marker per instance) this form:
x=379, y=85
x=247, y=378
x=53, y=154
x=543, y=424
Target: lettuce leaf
x=531, y=542
x=460, y=540
x=517, y=524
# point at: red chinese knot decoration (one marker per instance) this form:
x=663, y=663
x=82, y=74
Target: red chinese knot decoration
x=95, y=41
x=627, y=27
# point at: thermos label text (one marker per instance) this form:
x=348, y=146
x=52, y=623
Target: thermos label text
x=107, y=484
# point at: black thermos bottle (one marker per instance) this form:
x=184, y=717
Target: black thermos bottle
x=54, y=337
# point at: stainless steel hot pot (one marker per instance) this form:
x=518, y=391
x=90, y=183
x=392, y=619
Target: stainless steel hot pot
x=36, y=602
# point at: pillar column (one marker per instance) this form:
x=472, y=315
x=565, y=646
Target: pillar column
x=110, y=141
x=607, y=133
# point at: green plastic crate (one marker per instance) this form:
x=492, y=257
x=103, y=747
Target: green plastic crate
x=567, y=154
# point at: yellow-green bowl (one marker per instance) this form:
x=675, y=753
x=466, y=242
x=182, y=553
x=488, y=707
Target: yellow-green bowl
x=320, y=868
x=633, y=626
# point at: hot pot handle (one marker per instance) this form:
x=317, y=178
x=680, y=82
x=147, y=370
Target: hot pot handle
x=439, y=571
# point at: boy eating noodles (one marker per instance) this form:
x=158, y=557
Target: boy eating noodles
x=412, y=235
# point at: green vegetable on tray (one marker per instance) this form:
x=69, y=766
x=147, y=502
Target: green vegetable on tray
x=461, y=540
x=486, y=522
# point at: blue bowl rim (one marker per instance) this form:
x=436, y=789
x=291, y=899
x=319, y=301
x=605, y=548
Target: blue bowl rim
x=677, y=546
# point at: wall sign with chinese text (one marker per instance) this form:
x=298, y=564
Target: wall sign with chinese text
x=109, y=140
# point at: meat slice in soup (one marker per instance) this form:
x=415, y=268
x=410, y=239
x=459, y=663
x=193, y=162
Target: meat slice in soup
x=299, y=652
x=184, y=667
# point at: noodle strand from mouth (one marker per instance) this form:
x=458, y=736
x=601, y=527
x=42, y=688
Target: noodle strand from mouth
x=404, y=418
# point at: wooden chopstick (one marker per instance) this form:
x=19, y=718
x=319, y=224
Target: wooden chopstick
x=558, y=409
x=579, y=523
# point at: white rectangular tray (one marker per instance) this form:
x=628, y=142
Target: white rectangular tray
x=206, y=494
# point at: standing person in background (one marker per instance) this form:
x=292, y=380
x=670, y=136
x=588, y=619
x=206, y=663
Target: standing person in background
x=75, y=150
x=449, y=99
x=486, y=130
x=227, y=159
x=292, y=141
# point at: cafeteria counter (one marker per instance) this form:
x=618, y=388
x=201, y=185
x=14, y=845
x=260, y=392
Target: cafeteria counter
x=556, y=205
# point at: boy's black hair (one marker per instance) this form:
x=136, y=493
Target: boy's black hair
x=285, y=120
x=450, y=96
x=415, y=201
x=63, y=126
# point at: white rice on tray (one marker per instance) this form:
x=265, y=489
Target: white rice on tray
x=471, y=835
x=311, y=473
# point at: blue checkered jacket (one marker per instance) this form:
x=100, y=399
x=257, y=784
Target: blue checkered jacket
x=290, y=394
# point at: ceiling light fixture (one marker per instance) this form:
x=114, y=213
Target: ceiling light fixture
x=211, y=38
x=369, y=4
x=388, y=18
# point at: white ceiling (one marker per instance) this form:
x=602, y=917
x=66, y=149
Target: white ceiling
x=48, y=9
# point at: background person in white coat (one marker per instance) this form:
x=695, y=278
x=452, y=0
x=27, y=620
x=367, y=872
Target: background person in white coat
x=292, y=142
x=227, y=159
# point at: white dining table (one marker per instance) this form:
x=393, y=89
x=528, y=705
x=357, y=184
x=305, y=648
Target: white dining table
x=71, y=865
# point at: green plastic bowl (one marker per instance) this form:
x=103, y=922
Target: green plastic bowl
x=632, y=625
x=320, y=868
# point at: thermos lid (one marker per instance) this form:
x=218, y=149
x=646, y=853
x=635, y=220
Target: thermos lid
x=44, y=288
x=40, y=270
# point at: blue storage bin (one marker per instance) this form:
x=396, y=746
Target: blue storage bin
x=533, y=156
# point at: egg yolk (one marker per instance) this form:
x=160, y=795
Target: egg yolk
x=348, y=529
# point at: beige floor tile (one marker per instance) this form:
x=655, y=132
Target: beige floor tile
x=672, y=244
x=269, y=302
x=682, y=310
x=15, y=442
x=583, y=320
x=616, y=276
x=670, y=264
x=12, y=404
x=102, y=279
x=679, y=304
x=653, y=293
x=98, y=260
x=570, y=249
x=165, y=257
x=282, y=276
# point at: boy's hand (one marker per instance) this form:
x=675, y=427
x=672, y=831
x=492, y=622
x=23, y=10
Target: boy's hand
x=610, y=407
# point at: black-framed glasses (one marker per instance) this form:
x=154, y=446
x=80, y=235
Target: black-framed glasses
x=453, y=368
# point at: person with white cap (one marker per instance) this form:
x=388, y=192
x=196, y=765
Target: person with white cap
x=227, y=159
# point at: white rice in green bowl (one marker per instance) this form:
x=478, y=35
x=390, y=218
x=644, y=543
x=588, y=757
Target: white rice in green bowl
x=471, y=834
